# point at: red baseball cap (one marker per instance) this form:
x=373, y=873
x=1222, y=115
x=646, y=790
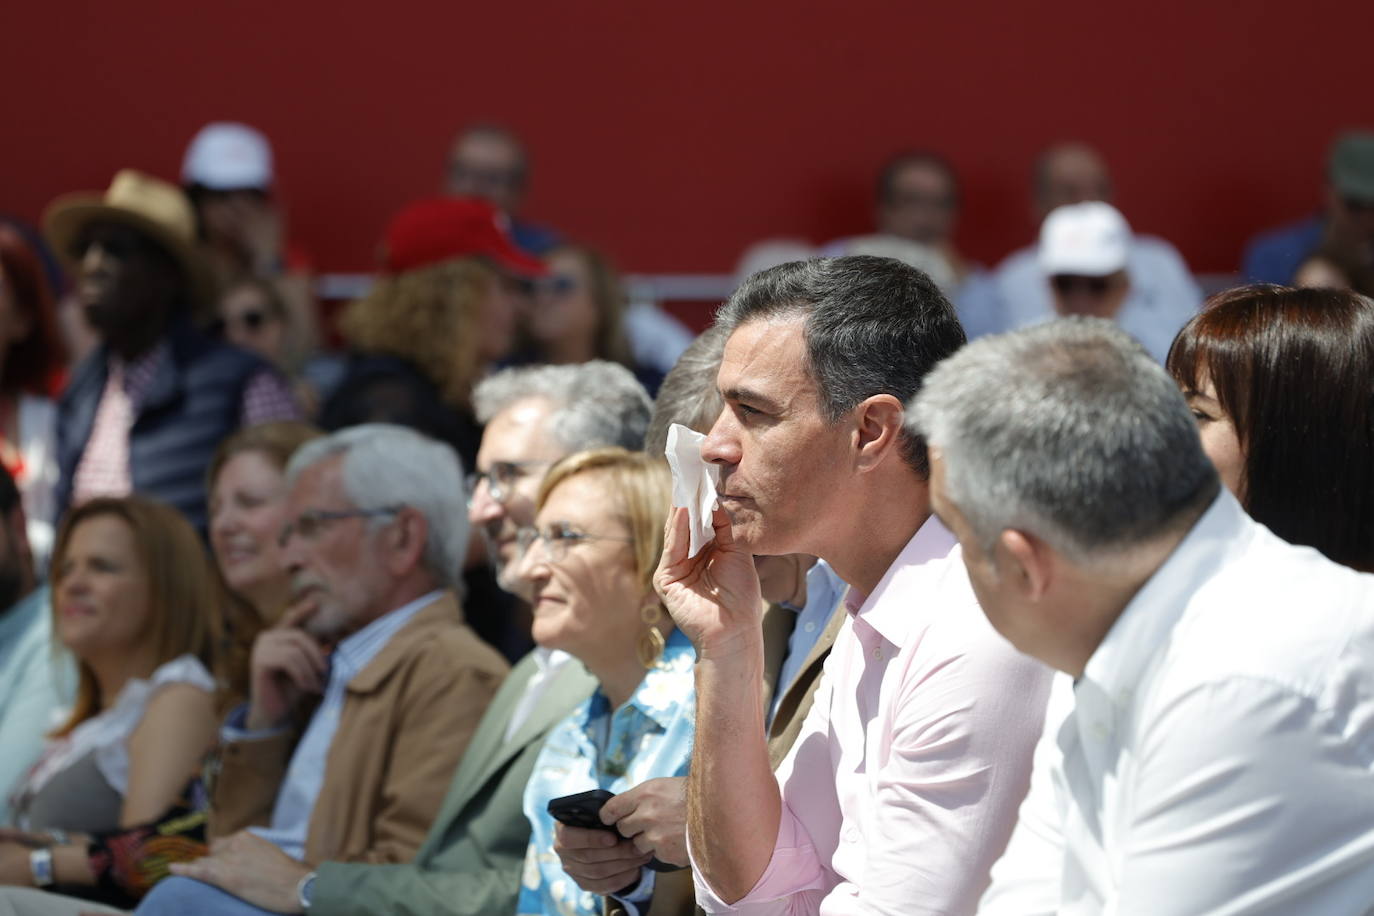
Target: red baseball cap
x=429, y=231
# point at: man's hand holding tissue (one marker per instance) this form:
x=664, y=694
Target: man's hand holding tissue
x=706, y=580
x=714, y=596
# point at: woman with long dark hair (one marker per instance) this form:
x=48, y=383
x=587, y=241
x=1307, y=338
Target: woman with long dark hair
x=1282, y=384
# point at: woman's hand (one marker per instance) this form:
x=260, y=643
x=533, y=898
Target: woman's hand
x=714, y=596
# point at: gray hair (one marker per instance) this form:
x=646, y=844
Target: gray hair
x=596, y=403
x=873, y=326
x=389, y=465
x=688, y=394
x=1068, y=430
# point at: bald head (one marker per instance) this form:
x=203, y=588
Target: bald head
x=1070, y=173
x=488, y=161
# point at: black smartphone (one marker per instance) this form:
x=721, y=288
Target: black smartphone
x=584, y=810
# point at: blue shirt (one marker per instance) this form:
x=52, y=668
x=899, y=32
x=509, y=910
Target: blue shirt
x=1276, y=255
x=305, y=774
x=596, y=747
x=824, y=590
x=35, y=687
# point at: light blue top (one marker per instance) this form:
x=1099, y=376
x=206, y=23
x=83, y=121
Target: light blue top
x=305, y=774
x=36, y=687
x=650, y=736
x=824, y=590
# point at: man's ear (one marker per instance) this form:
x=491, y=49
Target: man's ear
x=1026, y=563
x=407, y=537
x=878, y=427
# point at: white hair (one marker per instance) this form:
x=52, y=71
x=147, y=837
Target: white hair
x=388, y=465
x=596, y=403
x=1068, y=430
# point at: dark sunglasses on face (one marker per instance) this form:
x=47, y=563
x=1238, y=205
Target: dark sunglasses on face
x=557, y=285
x=1068, y=284
x=1357, y=205
x=251, y=321
x=119, y=243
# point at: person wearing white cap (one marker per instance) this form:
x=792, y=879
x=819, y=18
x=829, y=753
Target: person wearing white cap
x=1086, y=263
x=1084, y=250
x=229, y=175
x=1162, y=296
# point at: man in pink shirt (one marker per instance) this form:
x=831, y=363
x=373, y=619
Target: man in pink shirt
x=902, y=788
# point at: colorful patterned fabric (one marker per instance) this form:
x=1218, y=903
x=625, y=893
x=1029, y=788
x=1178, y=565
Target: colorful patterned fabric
x=600, y=748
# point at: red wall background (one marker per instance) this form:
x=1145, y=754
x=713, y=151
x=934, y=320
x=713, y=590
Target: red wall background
x=675, y=134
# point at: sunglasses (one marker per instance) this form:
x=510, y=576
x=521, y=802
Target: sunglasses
x=558, y=285
x=117, y=242
x=252, y=321
x=1356, y=205
x=1068, y=284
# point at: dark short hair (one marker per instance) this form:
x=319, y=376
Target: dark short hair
x=873, y=326
x=887, y=175
x=1294, y=371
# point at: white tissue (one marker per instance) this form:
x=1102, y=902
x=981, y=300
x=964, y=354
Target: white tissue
x=694, y=483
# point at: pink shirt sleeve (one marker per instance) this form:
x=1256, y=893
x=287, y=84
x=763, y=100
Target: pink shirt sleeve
x=946, y=747
x=795, y=880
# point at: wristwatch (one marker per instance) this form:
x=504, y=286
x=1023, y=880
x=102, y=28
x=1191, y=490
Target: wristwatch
x=40, y=863
x=305, y=890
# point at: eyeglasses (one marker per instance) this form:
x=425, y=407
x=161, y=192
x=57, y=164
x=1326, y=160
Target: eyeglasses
x=311, y=522
x=474, y=179
x=558, y=539
x=119, y=242
x=558, y=285
x=500, y=478
x=1067, y=284
x=250, y=321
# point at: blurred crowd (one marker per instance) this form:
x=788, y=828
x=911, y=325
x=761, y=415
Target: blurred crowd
x=910, y=585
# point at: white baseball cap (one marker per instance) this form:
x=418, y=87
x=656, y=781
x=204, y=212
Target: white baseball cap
x=226, y=156
x=1089, y=240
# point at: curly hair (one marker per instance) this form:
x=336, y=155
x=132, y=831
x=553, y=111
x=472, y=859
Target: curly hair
x=429, y=317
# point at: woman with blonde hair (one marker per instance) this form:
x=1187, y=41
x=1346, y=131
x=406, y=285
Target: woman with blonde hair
x=247, y=486
x=443, y=312
x=590, y=560
x=140, y=607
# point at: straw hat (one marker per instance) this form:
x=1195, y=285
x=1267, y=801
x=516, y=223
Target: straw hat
x=152, y=206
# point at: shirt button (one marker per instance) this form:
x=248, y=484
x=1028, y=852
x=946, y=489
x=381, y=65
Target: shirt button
x=877, y=653
x=851, y=835
x=809, y=628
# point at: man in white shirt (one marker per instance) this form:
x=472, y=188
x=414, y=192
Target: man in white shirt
x=1209, y=746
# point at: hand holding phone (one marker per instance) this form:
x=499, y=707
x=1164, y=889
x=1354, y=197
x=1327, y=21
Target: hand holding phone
x=583, y=809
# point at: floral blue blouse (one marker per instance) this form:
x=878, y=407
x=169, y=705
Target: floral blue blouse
x=600, y=748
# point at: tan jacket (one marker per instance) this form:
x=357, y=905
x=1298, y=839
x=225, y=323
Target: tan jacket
x=406, y=720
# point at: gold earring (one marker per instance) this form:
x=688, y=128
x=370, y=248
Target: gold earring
x=651, y=643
